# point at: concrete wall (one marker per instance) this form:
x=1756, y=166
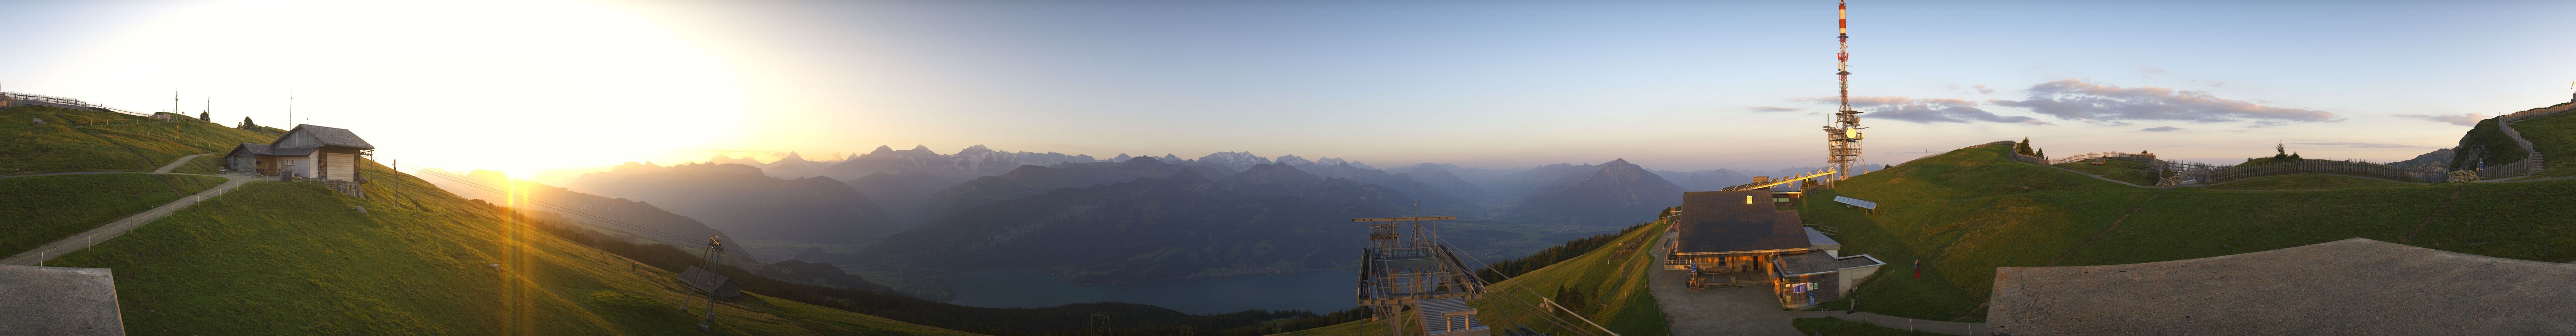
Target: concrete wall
x=37, y=300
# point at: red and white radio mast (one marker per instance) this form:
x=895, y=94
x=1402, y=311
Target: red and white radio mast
x=1842, y=136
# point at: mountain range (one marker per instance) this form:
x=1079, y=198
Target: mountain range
x=1269, y=219
x=636, y=220
x=1126, y=218
x=740, y=199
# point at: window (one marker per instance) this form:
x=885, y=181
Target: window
x=1748, y=199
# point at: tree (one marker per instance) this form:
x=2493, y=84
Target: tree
x=2040, y=153
x=204, y=116
x=2023, y=148
x=1572, y=298
x=2281, y=150
x=246, y=124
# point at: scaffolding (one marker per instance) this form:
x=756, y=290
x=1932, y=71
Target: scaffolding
x=1404, y=269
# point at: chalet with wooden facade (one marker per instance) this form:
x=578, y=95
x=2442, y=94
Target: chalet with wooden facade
x=1744, y=238
x=306, y=153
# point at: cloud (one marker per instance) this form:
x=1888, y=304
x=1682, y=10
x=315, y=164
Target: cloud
x=2163, y=129
x=2357, y=144
x=2082, y=100
x=1981, y=89
x=2462, y=120
x=1927, y=110
x=1771, y=109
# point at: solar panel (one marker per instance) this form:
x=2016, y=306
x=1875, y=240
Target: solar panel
x=1856, y=202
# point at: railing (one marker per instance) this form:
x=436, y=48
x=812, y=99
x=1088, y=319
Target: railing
x=2106, y=155
x=63, y=102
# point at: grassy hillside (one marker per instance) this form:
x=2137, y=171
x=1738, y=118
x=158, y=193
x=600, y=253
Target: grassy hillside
x=2555, y=137
x=2132, y=172
x=2486, y=144
x=2310, y=181
x=1966, y=212
x=82, y=140
x=1619, y=295
x=284, y=257
x=43, y=209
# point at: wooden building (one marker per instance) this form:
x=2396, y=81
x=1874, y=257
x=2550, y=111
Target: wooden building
x=1745, y=238
x=309, y=153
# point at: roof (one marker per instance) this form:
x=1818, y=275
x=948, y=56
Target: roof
x=270, y=151
x=261, y=149
x=1818, y=240
x=705, y=281
x=36, y=300
x=329, y=136
x=1811, y=263
x=1723, y=221
x=2348, y=287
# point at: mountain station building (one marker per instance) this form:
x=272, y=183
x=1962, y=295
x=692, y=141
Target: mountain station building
x=1744, y=238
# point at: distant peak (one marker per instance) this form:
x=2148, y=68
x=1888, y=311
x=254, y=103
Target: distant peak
x=1616, y=162
x=974, y=150
x=920, y=148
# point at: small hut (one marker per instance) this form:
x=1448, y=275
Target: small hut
x=325, y=154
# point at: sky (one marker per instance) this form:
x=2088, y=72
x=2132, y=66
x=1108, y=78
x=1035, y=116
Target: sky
x=527, y=86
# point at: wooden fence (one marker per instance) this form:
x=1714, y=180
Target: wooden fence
x=2517, y=168
x=2205, y=173
x=2338, y=167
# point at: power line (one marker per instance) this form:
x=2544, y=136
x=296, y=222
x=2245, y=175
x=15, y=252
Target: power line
x=1543, y=313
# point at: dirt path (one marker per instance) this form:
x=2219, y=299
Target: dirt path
x=37, y=256
x=165, y=169
x=174, y=164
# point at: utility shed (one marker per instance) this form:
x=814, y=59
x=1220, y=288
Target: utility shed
x=37, y=300
x=705, y=281
x=1825, y=277
x=2347, y=287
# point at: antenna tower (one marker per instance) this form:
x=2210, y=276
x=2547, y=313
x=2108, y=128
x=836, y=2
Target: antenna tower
x=1842, y=137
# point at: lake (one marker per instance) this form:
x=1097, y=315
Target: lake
x=1317, y=291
